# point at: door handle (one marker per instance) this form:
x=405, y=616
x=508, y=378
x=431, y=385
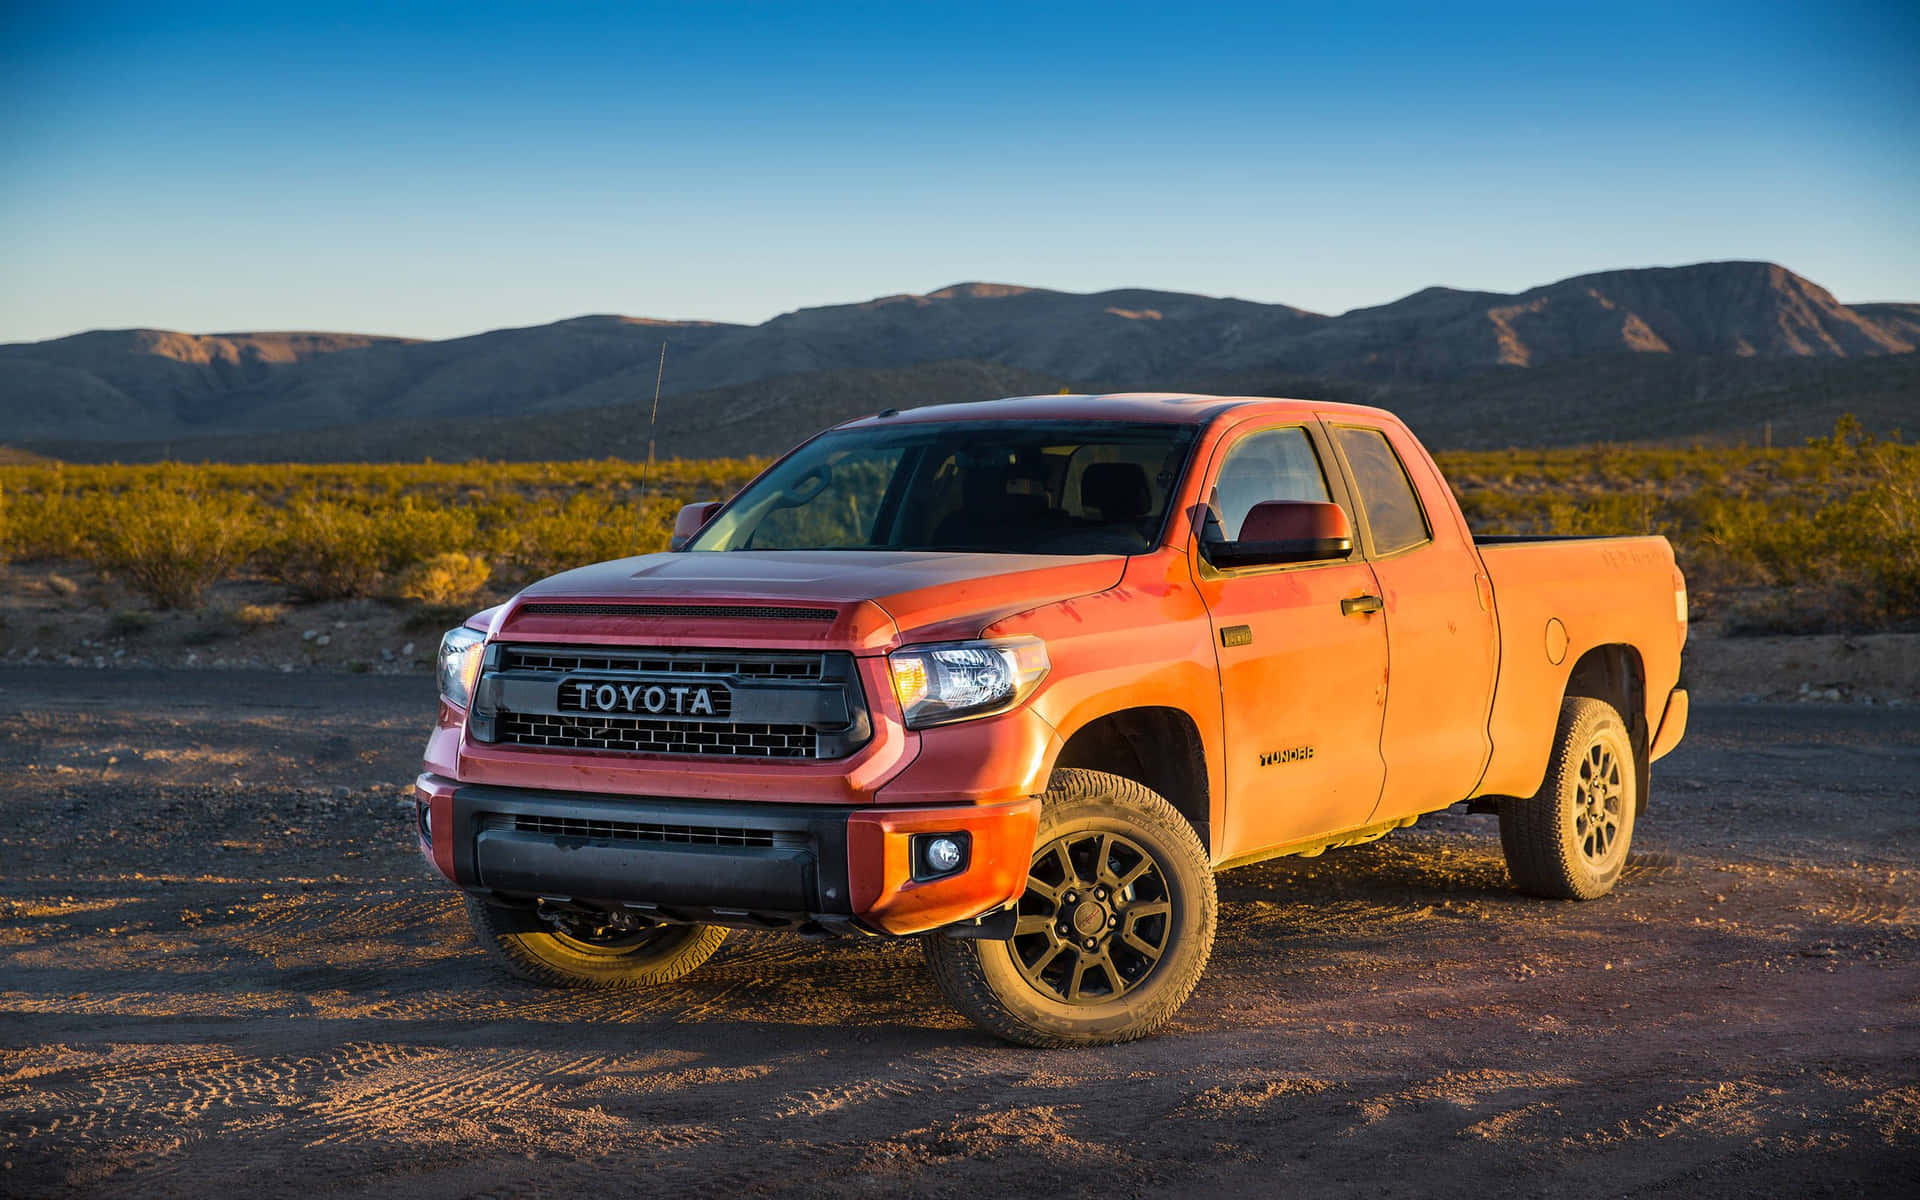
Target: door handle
x=1360, y=604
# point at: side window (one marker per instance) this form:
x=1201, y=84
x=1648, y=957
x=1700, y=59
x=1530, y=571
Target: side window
x=833, y=506
x=1275, y=464
x=1393, y=513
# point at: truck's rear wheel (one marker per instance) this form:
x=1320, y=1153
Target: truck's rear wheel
x=580, y=953
x=1112, y=933
x=1569, y=840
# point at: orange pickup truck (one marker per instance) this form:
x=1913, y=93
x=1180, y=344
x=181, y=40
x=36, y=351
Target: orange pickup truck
x=1016, y=678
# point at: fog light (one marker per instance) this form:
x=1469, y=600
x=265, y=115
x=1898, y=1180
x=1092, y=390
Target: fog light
x=938, y=854
x=944, y=854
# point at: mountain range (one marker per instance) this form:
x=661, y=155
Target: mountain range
x=1712, y=350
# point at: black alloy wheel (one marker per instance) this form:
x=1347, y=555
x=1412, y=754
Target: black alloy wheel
x=1095, y=920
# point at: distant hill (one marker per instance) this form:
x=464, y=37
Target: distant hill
x=1616, y=397
x=136, y=380
x=1681, y=351
x=763, y=418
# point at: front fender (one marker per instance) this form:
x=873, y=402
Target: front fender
x=1145, y=643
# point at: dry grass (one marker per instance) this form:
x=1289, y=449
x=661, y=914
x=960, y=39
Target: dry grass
x=430, y=532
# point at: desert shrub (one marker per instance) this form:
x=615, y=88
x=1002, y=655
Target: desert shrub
x=443, y=579
x=1875, y=534
x=170, y=545
x=324, y=551
x=586, y=528
x=49, y=526
x=257, y=616
x=345, y=530
x=412, y=533
x=329, y=550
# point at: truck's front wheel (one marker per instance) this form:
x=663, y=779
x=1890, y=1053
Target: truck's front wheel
x=1112, y=933
x=585, y=955
x=1569, y=840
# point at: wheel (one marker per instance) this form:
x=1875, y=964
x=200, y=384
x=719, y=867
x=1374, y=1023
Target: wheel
x=1113, y=930
x=580, y=953
x=1569, y=840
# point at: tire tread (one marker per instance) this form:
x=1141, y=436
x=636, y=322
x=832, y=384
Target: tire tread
x=1537, y=854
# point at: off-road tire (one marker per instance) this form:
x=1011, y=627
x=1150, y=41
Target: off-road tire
x=984, y=979
x=1551, y=845
x=530, y=948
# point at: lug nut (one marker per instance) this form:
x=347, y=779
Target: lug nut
x=1099, y=893
x=1071, y=898
x=1112, y=921
x=1090, y=943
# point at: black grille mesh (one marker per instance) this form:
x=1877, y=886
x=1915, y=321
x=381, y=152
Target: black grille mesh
x=658, y=737
x=638, y=831
x=741, y=612
x=644, y=662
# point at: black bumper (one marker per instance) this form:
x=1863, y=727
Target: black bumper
x=736, y=863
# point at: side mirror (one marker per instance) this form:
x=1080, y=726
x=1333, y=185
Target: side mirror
x=1286, y=531
x=691, y=520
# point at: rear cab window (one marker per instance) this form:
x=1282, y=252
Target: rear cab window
x=1395, y=521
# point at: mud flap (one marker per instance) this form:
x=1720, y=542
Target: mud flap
x=996, y=926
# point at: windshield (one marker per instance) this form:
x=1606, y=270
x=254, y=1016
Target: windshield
x=1080, y=487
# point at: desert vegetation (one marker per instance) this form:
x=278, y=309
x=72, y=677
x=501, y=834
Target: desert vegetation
x=425, y=533
x=1822, y=537
x=1819, y=538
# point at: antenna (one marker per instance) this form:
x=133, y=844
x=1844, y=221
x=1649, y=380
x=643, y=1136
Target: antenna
x=651, y=421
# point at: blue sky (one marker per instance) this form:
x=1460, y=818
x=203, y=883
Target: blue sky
x=434, y=171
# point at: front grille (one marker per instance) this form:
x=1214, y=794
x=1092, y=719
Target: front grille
x=658, y=737
x=640, y=831
x=731, y=612
x=659, y=662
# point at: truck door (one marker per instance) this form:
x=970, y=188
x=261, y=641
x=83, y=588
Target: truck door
x=1442, y=645
x=1302, y=676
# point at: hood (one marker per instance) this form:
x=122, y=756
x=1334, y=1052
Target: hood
x=927, y=596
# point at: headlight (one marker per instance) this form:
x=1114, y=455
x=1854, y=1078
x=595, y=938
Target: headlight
x=460, y=664
x=957, y=680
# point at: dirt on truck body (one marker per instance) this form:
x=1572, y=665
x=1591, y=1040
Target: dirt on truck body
x=1017, y=678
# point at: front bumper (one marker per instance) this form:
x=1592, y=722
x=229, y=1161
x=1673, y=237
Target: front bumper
x=728, y=862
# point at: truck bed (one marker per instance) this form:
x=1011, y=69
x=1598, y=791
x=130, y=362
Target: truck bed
x=1552, y=591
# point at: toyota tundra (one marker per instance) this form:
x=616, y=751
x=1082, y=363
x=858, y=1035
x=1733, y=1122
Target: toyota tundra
x=1016, y=678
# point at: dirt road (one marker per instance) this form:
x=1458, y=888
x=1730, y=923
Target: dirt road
x=223, y=972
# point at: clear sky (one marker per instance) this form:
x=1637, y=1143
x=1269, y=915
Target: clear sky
x=434, y=171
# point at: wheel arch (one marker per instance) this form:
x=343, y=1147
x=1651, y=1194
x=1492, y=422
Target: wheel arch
x=1158, y=747
x=1615, y=674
